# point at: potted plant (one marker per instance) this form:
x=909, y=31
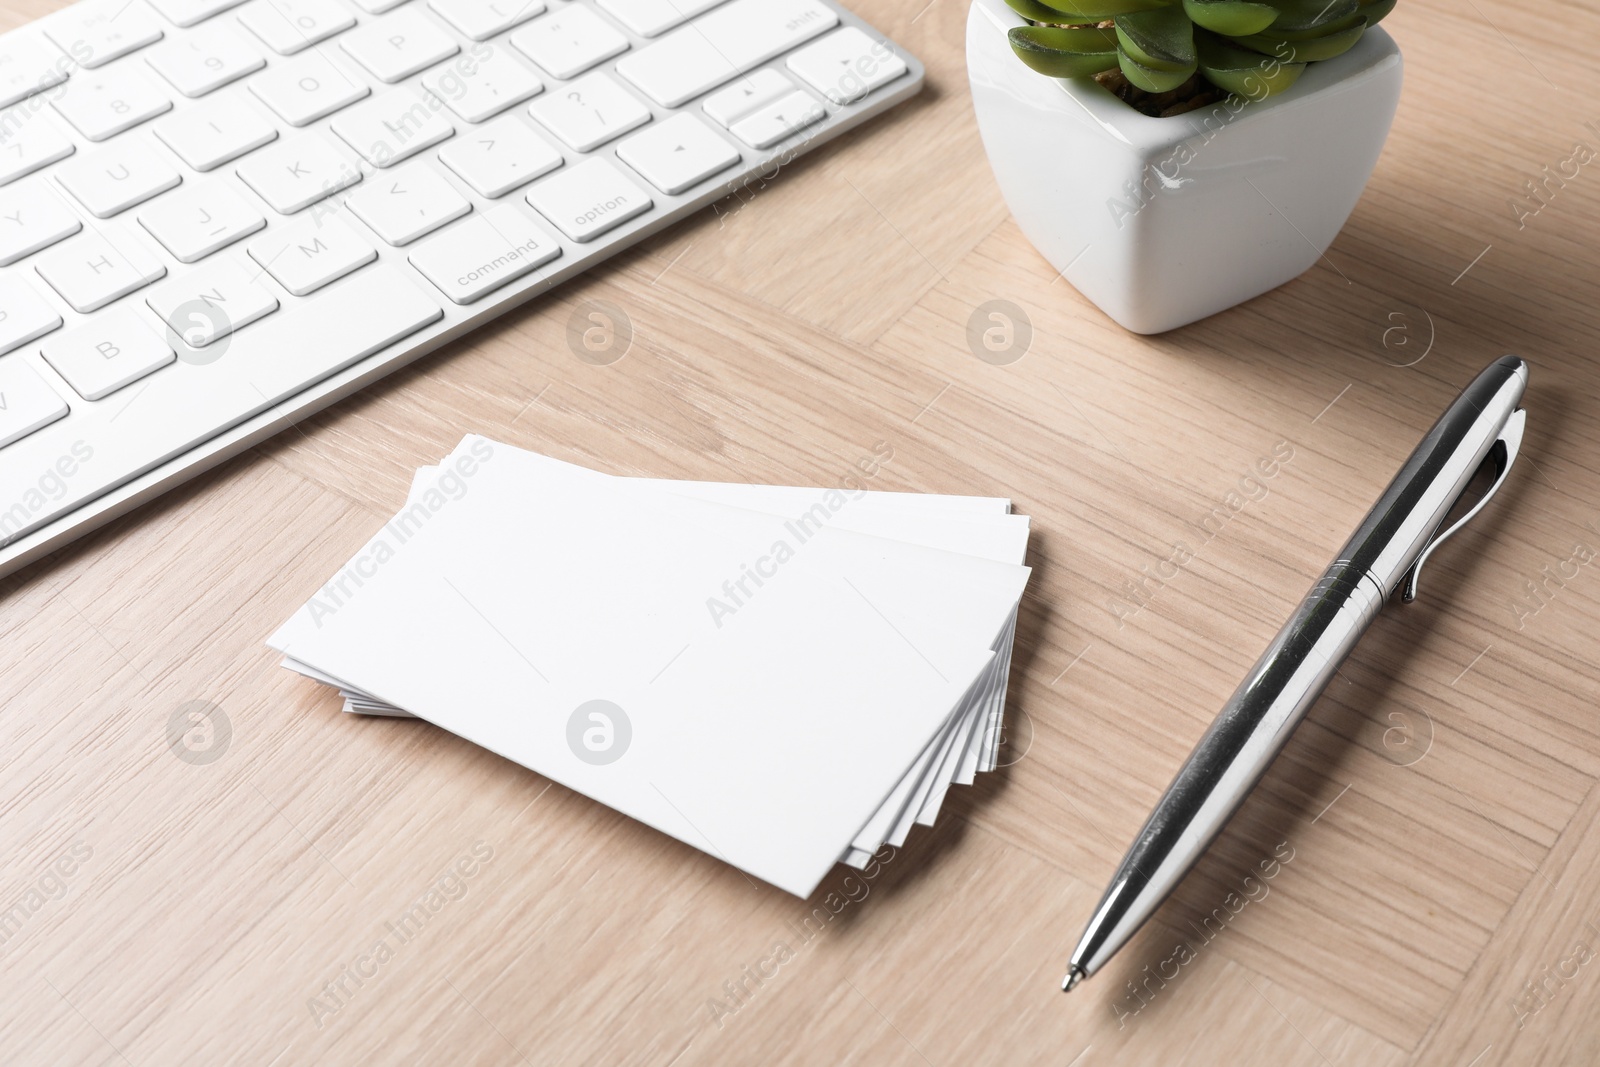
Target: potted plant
x=1172, y=158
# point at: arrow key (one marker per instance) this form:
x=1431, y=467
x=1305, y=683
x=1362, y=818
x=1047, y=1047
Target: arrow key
x=771, y=124
x=729, y=105
x=406, y=204
x=677, y=154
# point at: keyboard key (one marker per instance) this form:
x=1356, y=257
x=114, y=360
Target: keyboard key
x=24, y=315
x=393, y=126
x=482, y=19
x=727, y=42
x=205, y=60
x=677, y=153
x=188, y=13
x=650, y=17
x=307, y=88
x=378, y=7
x=28, y=141
x=569, y=42
x=590, y=111
x=105, y=103
x=26, y=401
x=94, y=32
x=32, y=217
x=309, y=253
x=93, y=269
x=210, y=134
x=29, y=66
x=402, y=207
x=400, y=45
x=588, y=199
x=729, y=105
x=211, y=302
x=847, y=65
x=322, y=337
x=298, y=172
x=485, y=252
x=480, y=88
x=201, y=221
x=768, y=125
x=290, y=26
x=110, y=351
x=500, y=156
x=112, y=179
x=181, y=408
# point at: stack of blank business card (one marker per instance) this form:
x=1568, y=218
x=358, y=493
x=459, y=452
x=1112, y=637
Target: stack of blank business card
x=785, y=678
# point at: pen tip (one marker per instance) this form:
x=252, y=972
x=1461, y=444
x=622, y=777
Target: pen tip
x=1074, y=976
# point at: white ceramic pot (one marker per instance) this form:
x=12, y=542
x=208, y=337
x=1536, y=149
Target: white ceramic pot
x=1162, y=221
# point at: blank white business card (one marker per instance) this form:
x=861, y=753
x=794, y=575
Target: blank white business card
x=535, y=590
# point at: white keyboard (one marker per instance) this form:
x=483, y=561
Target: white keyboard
x=217, y=217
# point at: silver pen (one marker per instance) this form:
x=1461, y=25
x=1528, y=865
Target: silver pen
x=1384, y=554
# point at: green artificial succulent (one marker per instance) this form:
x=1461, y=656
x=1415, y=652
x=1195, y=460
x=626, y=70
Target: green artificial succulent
x=1251, y=48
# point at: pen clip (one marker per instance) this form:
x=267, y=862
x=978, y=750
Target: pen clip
x=1502, y=454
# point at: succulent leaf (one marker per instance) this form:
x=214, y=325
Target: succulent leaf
x=1241, y=70
x=1311, y=34
x=1151, y=80
x=1302, y=15
x=1311, y=50
x=1374, y=10
x=1234, y=18
x=1252, y=48
x=1034, y=11
x=1161, y=40
x=1065, y=53
x=1100, y=10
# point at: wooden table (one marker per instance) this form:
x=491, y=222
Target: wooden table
x=1435, y=888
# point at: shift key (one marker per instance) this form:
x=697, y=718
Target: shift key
x=484, y=252
x=714, y=48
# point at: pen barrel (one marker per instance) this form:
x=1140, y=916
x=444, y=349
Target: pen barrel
x=1257, y=720
x=1234, y=753
x=1409, y=512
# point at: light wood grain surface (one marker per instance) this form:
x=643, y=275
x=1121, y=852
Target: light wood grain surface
x=1435, y=889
